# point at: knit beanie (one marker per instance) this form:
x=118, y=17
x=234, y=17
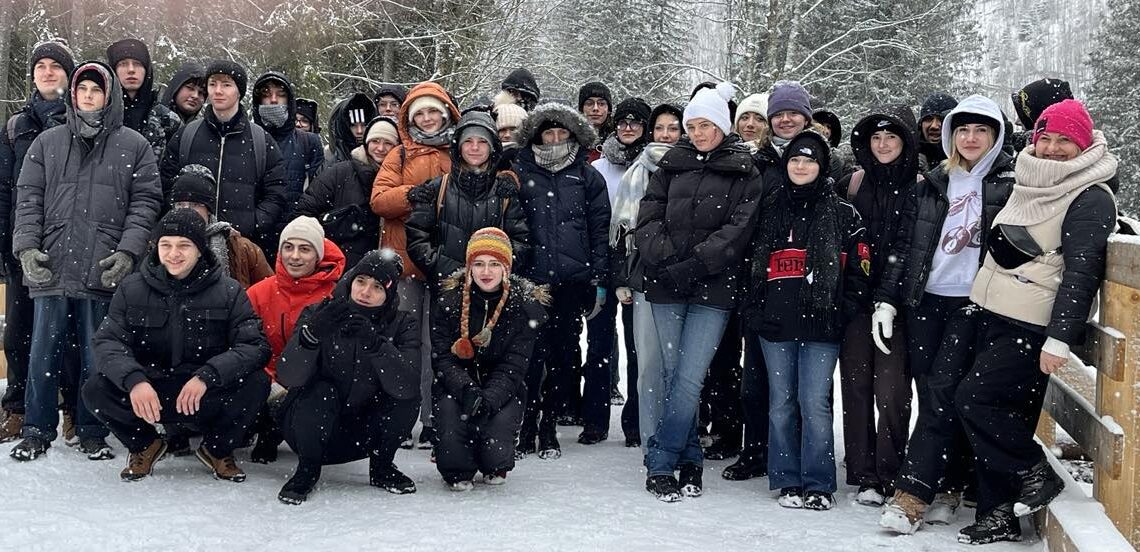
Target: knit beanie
x=1031, y=101
x=308, y=229
x=94, y=72
x=633, y=109
x=308, y=108
x=789, y=96
x=810, y=144
x=594, y=90
x=522, y=79
x=756, y=103
x=128, y=48
x=426, y=102
x=509, y=116
x=711, y=104
x=394, y=90
x=1068, y=118
x=382, y=127
x=230, y=69
x=382, y=265
x=195, y=183
x=485, y=241
x=184, y=223
x=475, y=131
x=937, y=104
x=56, y=50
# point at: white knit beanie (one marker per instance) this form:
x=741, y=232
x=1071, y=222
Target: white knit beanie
x=308, y=229
x=712, y=104
x=509, y=115
x=756, y=103
x=426, y=102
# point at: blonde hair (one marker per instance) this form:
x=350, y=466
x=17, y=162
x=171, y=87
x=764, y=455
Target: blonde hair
x=955, y=159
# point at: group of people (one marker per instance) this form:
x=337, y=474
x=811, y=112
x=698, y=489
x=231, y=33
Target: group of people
x=179, y=268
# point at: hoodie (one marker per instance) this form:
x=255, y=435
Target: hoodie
x=189, y=71
x=341, y=139
x=301, y=151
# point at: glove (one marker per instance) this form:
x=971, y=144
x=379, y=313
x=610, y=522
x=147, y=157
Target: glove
x=34, y=263
x=361, y=329
x=472, y=403
x=883, y=324
x=330, y=315
x=420, y=194
x=276, y=393
x=683, y=276
x=115, y=268
x=624, y=294
x=599, y=302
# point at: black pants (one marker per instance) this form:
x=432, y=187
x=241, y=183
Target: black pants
x=601, y=357
x=224, y=415
x=871, y=381
x=630, y=418
x=754, y=401
x=721, y=394
x=934, y=457
x=999, y=401
x=557, y=355
x=320, y=429
x=485, y=444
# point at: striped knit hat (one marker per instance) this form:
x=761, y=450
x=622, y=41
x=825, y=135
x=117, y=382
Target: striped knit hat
x=485, y=241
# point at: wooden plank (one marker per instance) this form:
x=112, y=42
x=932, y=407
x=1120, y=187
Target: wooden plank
x=1102, y=442
x=1123, y=263
x=1104, y=350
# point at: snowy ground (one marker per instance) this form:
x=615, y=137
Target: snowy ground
x=591, y=499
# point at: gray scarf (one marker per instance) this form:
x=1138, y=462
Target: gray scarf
x=90, y=123
x=555, y=157
x=623, y=216
x=779, y=144
x=441, y=138
x=274, y=116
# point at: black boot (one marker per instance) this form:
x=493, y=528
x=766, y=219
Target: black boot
x=664, y=487
x=384, y=474
x=691, y=484
x=297, y=489
x=265, y=450
x=722, y=449
x=548, y=447
x=744, y=469
x=1039, y=486
x=592, y=436
x=998, y=524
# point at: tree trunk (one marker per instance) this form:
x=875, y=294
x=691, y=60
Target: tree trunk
x=7, y=24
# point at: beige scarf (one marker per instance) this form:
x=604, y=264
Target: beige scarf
x=1045, y=188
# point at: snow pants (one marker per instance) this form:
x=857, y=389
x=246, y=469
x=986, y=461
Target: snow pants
x=320, y=429
x=485, y=443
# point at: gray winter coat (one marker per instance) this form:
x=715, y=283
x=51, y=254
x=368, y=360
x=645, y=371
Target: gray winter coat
x=80, y=201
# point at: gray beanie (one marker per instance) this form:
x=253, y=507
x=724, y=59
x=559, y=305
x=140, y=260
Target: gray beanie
x=308, y=229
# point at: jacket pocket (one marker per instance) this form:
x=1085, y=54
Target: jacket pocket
x=105, y=242
x=207, y=332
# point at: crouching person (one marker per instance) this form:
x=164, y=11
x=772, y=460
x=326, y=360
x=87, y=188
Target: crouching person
x=352, y=371
x=180, y=345
x=479, y=388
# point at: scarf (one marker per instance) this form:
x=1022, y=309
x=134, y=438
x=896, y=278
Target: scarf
x=621, y=154
x=779, y=144
x=1046, y=188
x=435, y=140
x=630, y=191
x=48, y=112
x=555, y=157
x=90, y=123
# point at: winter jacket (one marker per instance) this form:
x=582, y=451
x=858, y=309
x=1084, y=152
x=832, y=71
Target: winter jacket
x=279, y=300
x=239, y=258
x=16, y=138
x=79, y=201
x=341, y=139
x=253, y=203
x=190, y=70
x=381, y=356
x=695, y=222
x=438, y=229
x=568, y=212
x=339, y=199
x=160, y=328
x=150, y=117
x=408, y=165
x=301, y=151
x=498, y=368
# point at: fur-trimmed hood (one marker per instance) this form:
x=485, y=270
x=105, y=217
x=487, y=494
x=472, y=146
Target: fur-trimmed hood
x=522, y=288
x=579, y=127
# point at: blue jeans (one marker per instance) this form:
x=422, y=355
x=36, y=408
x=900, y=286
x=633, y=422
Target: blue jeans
x=650, y=374
x=688, y=336
x=58, y=320
x=801, y=443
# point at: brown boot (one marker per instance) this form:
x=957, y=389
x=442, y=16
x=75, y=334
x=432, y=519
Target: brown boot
x=69, y=437
x=140, y=464
x=903, y=513
x=11, y=427
x=223, y=468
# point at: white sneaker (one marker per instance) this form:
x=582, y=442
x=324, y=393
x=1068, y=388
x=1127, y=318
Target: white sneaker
x=894, y=518
x=869, y=496
x=944, y=509
x=461, y=486
x=495, y=479
x=792, y=499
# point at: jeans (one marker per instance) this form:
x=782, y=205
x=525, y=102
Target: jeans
x=801, y=442
x=56, y=319
x=688, y=336
x=650, y=374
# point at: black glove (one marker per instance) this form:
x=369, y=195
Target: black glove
x=420, y=194
x=328, y=316
x=472, y=403
x=361, y=329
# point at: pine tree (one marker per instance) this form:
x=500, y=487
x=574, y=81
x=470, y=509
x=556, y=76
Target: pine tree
x=1113, y=98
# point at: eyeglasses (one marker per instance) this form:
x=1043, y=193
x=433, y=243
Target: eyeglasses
x=591, y=104
x=629, y=125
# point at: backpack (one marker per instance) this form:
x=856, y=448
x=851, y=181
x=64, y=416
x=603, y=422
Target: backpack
x=854, y=184
x=191, y=132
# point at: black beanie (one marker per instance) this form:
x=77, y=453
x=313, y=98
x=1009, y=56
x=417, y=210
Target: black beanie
x=55, y=50
x=811, y=144
x=594, y=90
x=231, y=69
x=185, y=223
x=383, y=265
x=633, y=109
x=831, y=121
x=938, y=105
x=128, y=48
x=394, y=90
x=194, y=183
x=963, y=118
x=92, y=73
x=308, y=108
x=1031, y=100
x=545, y=126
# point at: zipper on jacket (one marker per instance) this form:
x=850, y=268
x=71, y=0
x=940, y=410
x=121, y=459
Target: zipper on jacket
x=475, y=365
x=221, y=157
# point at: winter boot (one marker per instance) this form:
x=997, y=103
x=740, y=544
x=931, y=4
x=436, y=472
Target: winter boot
x=722, y=449
x=304, y=479
x=744, y=469
x=496, y=479
x=616, y=398
x=791, y=497
x=386, y=476
x=10, y=429
x=818, y=500
x=548, y=448
x=265, y=450
x=903, y=513
x=664, y=487
x=223, y=468
x=96, y=448
x=526, y=440
x=944, y=509
x=69, y=437
x=592, y=436
x=691, y=485
x=460, y=486
x=30, y=448
x=427, y=438
x=1039, y=486
x=870, y=495
x=140, y=464
x=633, y=442
x=998, y=524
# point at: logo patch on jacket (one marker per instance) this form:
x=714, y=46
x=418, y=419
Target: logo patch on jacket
x=865, y=259
x=790, y=263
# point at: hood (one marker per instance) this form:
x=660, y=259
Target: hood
x=341, y=139
x=112, y=112
x=897, y=114
x=191, y=70
x=979, y=105
x=575, y=122
x=309, y=109
x=329, y=270
x=522, y=80
x=831, y=121
x=289, y=90
x=385, y=257
x=420, y=90
x=477, y=119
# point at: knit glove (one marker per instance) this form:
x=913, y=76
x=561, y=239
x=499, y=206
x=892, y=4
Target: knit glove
x=34, y=263
x=599, y=302
x=472, y=402
x=420, y=194
x=883, y=325
x=115, y=268
x=624, y=295
x=362, y=330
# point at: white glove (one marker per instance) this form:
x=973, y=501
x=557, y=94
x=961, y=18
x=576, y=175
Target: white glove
x=624, y=295
x=883, y=324
x=276, y=393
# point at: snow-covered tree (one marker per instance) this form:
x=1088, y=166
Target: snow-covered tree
x=1113, y=98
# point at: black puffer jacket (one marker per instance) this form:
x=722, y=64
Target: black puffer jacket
x=695, y=223
x=16, y=138
x=159, y=328
x=339, y=199
x=500, y=367
x=252, y=203
x=437, y=243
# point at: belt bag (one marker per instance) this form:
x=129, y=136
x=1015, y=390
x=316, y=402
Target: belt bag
x=1012, y=246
